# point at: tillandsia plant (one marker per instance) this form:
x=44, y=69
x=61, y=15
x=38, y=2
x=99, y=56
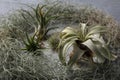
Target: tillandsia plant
x=86, y=41
x=31, y=44
x=42, y=18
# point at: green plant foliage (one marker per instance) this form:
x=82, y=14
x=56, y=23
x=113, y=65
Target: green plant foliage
x=43, y=18
x=85, y=40
x=31, y=44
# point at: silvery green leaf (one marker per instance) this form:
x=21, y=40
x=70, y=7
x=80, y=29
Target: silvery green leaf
x=105, y=52
x=94, y=49
x=78, y=53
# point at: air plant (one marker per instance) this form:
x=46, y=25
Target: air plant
x=42, y=18
x=31, y=44
x=86, y=41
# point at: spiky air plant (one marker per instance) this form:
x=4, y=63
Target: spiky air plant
x=31, y=44
x=86, y=41
x=42, y=18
